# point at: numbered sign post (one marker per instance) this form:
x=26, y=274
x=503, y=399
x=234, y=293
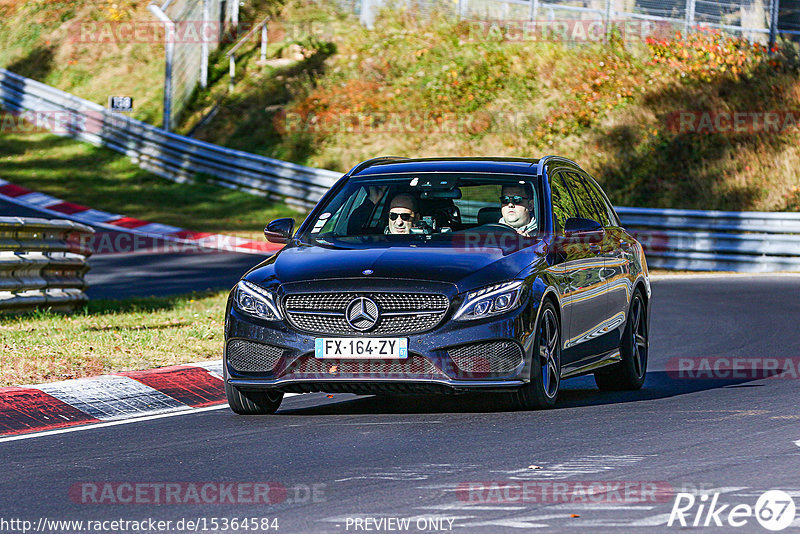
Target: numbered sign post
x=120, y=104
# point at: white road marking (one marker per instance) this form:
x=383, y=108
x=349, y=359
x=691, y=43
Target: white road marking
x=602, y=506
x=94, y=426
x=467, y=506
x=413, y=472
x=650, y=521
x=440, y=487
x=797, y=442
x=580, y=466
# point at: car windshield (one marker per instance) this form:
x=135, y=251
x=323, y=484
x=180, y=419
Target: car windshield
x=434, y=208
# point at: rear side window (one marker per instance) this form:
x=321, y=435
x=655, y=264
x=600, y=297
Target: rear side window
x=601, y=201
x=583, y=199
x=597, y=204
x=563, y=205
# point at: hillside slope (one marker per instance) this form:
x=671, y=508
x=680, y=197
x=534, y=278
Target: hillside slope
x=651, y=119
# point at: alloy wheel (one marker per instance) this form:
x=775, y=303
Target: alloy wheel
x=639, y=333
x=550, y=353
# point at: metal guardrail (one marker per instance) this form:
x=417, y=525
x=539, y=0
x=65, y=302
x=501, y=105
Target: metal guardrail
x=165, y=154
x=42, y=263
x=716, y=240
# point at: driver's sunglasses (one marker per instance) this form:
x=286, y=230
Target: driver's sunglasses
x=516, y=199
x=405, y=216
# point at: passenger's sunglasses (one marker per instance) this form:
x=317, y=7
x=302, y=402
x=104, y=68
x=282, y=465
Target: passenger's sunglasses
x=405, y=216
x=516, y=199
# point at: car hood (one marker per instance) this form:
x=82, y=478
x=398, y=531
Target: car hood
x=466, y=269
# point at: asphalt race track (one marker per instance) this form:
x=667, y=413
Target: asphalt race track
x=345, y=458
x=143, y=274
x=454, y=463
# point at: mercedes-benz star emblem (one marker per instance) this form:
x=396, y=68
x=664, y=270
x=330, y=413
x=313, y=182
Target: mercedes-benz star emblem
x=362, y=313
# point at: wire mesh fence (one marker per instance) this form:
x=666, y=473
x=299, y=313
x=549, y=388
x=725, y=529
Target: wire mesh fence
x=746, y=18
x=195, y=29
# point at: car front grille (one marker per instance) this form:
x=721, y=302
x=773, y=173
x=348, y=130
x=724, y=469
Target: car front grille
x=398, y=313
x=249, y=357
x=491, y=357
x=412, y=367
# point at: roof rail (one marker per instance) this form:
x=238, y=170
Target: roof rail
x=546, y=159
x=374, y=161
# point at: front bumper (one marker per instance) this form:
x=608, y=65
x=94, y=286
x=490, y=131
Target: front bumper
x=435, y=363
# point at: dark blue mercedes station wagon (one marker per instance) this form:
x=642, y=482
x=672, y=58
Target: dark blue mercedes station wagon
x=447, y=275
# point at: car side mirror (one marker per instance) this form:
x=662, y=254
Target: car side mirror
x=279, y=230
x=579, y=225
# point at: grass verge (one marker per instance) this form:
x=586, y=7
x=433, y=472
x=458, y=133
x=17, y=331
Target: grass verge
x=103, y=179
x=111, y=335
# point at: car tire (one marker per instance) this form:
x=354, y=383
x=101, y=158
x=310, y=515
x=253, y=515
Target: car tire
x=629, y=374
x=252, y=402
x=542, y=390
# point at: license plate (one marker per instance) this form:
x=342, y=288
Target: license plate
x=361, y=348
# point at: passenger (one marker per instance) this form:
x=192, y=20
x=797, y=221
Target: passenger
x=403, y=213
x=360, y=217
x=516, y=206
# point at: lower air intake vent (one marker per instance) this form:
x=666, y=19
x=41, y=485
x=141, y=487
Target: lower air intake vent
x=413, y=366
x=492, y=357
x=251, y=357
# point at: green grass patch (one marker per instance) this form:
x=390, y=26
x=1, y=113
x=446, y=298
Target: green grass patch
x=42, y=40
x=111, y=335
x=103, y=179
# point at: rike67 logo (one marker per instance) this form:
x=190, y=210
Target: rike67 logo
x=774, y=510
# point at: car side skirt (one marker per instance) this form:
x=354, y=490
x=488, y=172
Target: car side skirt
x=583, y=367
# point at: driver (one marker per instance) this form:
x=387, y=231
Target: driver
x=403, y=213
x=516, y=206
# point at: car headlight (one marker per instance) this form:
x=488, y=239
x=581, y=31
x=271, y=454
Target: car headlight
x=490, y=300
x=256, y=301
